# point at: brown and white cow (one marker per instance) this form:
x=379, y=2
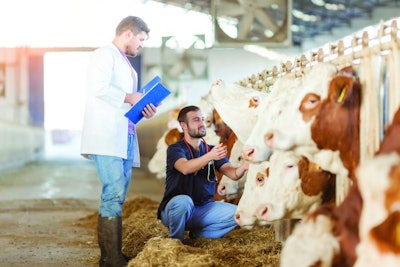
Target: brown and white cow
x=335, y=229
x=326, y=237
x=255, y=148
x=336, y=126
x=325, y=125
x=257, y=174
x=293, y=129
x=157, y=163
x=230, y=189
x=379, y=183
x=295, y=187
x=290, y=187
x=237, y=106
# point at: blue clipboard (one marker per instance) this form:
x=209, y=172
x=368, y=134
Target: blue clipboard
x=154, y=92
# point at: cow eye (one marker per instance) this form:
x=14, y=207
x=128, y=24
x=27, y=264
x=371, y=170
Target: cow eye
x=290, y=166
x=208, y=122
x=254, y=102
x=310, y=101
x=260, y=179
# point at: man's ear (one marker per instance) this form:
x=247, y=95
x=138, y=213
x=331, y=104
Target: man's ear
x=128, y=34
x=183, y=125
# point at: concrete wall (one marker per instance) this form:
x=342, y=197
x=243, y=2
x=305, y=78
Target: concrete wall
x=20, y=140
x=19, y=144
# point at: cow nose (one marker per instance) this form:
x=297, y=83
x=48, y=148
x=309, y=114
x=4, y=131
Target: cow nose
x=248, y=153
x=221, y=190
x=269, y=139
x=237, y=218
x=262, y=212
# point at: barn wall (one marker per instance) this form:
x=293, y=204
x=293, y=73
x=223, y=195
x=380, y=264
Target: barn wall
x=21, y=131
x=19, y=144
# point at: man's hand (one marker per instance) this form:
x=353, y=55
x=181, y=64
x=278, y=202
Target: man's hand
x=149, y=111
x=218, y=152
x=132, y=98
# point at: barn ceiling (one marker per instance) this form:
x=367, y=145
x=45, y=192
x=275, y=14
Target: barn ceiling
x=309, y=18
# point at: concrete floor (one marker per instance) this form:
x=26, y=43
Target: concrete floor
x=41, y=203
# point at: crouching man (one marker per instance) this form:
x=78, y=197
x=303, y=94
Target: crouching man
x=190, y=183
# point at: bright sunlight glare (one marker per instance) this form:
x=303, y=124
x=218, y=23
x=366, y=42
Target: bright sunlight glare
x=91, y=23
x=84, y=23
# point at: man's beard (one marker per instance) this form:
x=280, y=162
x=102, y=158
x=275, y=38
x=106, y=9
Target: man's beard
x=194, y=133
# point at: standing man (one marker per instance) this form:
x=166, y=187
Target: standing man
x=190, y=183
x=108, y=137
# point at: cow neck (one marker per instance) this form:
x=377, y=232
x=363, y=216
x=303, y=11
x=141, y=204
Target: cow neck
x=190, y=150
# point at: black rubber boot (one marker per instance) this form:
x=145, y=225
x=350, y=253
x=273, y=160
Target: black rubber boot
x=110, y=242
x=100, y=238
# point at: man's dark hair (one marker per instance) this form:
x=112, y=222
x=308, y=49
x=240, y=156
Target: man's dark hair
x=133, y=23
x=182, y=114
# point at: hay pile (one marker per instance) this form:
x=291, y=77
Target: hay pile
x=145, y=239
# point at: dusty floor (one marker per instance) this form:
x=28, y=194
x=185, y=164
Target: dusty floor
x=40, y=207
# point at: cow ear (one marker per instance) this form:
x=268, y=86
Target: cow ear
x=266, y=165
x=302, y=165
x=173, y=136
x=340, y=89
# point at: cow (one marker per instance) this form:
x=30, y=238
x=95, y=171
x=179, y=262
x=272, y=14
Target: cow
x=173, y=133
x=316, y=120
x=237, y=106
x=230, y=189
x=327, y=236
x=224, y=183
x=257, y=174
x=290, y=187
x=157, y=163
x=255, y=148
x=295, y=187
x=334, y=226
x=379, y=184
x=293, y=129
x=341, y=108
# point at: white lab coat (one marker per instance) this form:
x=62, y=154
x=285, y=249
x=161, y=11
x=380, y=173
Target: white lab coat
x=105, y=128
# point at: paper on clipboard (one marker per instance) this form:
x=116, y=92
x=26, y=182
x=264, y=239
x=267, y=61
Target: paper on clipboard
x=154, y=92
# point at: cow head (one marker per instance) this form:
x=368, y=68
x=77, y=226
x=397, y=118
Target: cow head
x=295, y=186
x=294, y=127
x=337, y=124
x=257, y=174
x=232, y=189
x=237, y=106
x=255, y=149
x=221, y=128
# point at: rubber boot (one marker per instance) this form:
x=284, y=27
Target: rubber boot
x=100, y=238
x=110, y=229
